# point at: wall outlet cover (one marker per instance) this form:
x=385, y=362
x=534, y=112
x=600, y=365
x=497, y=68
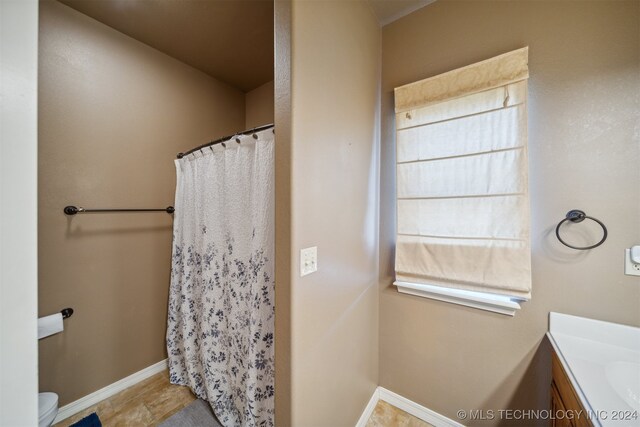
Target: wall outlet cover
x=630, y=267
x=308, y=260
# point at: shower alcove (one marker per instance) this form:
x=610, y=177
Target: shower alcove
x=123, y=87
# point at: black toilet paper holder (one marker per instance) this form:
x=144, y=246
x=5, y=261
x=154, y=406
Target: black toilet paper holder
x=66, y=313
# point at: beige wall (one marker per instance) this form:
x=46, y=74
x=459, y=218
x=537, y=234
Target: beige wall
x=283, y=268
x=334, y=312
x=112, y=115
x=584, y=101
x=259, y=106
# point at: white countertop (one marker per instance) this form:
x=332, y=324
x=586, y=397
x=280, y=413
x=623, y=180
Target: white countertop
x=602, y=361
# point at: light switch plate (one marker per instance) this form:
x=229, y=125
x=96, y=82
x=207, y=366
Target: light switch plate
x=630, y=267
x=308, y=260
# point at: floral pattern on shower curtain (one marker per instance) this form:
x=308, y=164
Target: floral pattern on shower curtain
x=221, y=302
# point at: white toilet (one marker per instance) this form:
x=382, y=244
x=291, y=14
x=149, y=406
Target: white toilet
x=47, y=408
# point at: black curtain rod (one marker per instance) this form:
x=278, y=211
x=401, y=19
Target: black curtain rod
x=225, y=138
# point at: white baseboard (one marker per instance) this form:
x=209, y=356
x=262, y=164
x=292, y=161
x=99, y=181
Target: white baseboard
x=108, y=391
x=380, y=393
x=413, y=408
x=368, y=410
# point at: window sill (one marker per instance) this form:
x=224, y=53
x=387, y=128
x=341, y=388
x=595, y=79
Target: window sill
x=484, y=301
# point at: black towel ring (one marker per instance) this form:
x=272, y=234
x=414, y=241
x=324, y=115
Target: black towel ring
x=575, y=216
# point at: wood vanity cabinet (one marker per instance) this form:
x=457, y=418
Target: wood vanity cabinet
x=564, y=398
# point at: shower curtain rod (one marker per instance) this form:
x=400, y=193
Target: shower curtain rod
x=226, y=138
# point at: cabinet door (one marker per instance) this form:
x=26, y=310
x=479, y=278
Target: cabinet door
x=567, y=395
x=557, y=408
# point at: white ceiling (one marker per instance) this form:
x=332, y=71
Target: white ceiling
x=231, y=40
x=391, y=10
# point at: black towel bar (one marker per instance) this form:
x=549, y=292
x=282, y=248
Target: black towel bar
x=576, y=216
x=72, y=210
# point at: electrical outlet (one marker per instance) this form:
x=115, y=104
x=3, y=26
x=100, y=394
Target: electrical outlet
x=308, y=260
x=630, y=267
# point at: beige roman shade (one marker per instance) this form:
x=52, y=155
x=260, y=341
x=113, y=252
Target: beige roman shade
x=462, y=179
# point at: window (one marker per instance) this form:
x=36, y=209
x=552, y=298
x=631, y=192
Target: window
x=462, y=185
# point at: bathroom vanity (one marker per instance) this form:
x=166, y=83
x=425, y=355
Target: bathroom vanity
x=565, y=400
x=596, y=373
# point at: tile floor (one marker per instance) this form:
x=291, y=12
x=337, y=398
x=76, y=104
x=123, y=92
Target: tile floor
x=153, y=400
x=147, y=403
x=386, y=415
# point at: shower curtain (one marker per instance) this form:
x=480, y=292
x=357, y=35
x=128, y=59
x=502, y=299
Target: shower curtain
x=221, y=302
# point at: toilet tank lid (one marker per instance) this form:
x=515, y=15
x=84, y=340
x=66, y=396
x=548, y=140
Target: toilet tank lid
x=46, y=402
